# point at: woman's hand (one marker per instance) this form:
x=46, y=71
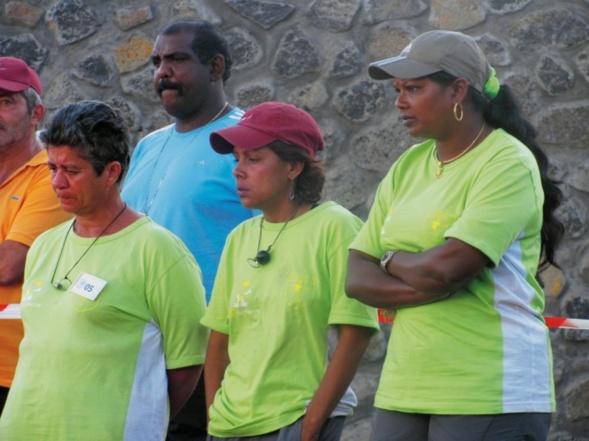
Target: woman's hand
x=311, y=428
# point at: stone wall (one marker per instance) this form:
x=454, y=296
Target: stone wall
x=314, y=54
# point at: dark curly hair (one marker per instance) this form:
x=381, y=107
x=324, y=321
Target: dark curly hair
x=309, y=183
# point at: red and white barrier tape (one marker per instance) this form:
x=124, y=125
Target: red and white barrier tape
x=9, y=311
x=12, y=311
x=568, y=323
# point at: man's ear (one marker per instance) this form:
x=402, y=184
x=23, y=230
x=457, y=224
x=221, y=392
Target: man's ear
x=217, y=67
x=38, y=114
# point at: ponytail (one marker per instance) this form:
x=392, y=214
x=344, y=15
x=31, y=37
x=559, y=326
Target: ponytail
x=503, y=112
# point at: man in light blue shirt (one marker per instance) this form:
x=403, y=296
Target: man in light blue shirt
x=176, y=178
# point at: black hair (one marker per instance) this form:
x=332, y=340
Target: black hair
x=504, y=112
x=206, y=42
x=95, y=129
x=309, y=183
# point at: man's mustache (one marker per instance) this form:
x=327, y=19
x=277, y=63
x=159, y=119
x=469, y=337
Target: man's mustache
x=167, y=85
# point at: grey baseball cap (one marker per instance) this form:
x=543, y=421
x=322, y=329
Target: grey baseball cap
x=434, y=51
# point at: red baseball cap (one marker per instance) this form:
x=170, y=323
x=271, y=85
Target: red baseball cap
x=16, y=76
x=269, y=122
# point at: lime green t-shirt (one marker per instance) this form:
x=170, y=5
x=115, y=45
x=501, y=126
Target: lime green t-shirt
x=485, y=349
x=95, y=370
x=277, y=317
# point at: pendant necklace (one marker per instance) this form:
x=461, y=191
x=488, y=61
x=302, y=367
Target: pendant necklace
x=441, y=163
x=148, y=201
x=60, y=284
x=263, y=256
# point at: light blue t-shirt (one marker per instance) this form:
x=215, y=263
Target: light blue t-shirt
x=181, y=183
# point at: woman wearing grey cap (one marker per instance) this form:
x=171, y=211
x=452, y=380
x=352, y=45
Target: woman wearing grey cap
x=453, y=243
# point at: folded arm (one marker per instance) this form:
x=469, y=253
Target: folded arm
x=369, y=284
x=440, y=269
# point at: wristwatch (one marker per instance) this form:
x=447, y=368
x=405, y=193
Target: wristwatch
x=385, y=259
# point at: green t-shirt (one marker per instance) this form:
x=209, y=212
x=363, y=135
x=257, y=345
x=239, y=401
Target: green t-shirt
x=485, y=349
x=277, y=317
x=95, y=370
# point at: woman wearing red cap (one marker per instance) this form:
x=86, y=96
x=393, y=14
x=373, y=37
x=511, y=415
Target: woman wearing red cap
x=453, y=244
x=279, y=287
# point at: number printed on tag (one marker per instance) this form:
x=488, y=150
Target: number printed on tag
x=87, y=285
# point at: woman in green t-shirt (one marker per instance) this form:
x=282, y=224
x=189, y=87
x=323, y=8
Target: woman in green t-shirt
x=453, y=243
x=279, y=287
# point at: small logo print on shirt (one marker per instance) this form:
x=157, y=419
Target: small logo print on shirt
x=15, y=197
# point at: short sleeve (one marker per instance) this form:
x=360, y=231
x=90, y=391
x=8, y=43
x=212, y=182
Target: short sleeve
x=177, y=302
x=368, y=239
x=505, y=201
x=39, y=211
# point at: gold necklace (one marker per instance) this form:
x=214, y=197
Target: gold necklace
x=441, y=163
x=149, y=202
x=218, y=114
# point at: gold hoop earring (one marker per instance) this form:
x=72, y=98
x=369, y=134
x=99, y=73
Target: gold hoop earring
x=458, y=112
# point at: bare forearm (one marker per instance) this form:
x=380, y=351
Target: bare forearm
x=441, y=269
x=181, y=384
x=216, y=363
x=214, y=373
x=340, y=372
x=12, y=262
x=367, y=283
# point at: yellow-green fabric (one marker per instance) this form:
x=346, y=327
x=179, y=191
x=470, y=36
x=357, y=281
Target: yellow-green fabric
x=277, y=317
x=485, y=349
x=95, y=370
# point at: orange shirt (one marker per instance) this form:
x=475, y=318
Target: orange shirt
x=28, y=206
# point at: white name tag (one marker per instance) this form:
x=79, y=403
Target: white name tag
x=88, y=286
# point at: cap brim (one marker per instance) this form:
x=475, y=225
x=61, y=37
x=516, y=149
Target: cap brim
x=241, y=136
x=399, y=67
x=13, y=86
